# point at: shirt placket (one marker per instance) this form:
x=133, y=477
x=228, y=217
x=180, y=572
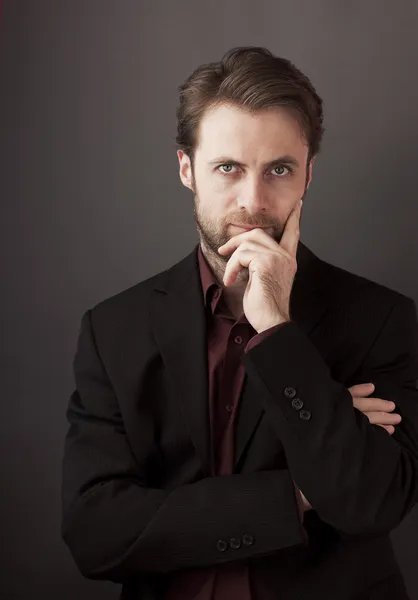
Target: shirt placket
x=231, y=385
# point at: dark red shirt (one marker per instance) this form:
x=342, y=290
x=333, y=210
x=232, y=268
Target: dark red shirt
x=227, y=340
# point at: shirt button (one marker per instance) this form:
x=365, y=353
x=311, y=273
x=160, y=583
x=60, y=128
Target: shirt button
x=297, y=403
x=305, y=415
x=221, y=545
x=248, y=539
x=290, y=392
x=235, y=543
x=229, y=408
x=238, y=339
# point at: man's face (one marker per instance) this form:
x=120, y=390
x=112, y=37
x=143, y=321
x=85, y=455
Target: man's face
x=249, y=170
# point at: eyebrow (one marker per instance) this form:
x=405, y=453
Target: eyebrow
x=287, y=159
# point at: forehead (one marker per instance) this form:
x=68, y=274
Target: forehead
x=233, y=131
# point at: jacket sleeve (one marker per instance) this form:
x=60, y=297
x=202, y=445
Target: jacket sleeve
x=358, y=478
x=116, y=527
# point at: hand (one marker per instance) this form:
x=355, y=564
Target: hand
x=375, y=409
x=272, y=268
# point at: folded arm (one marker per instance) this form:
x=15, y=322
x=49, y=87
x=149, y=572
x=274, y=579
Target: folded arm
x=357, y=478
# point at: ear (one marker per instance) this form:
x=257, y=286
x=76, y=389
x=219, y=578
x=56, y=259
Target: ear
x=310, y=168
x=185, y=172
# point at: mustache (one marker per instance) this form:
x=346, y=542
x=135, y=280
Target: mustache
x=252, y=220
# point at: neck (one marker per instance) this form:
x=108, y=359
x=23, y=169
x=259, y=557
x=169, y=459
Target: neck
x=232, y=294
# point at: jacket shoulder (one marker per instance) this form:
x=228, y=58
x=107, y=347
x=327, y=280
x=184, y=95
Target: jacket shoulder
x=134, y=301
x=137, y=293
x=343, y=286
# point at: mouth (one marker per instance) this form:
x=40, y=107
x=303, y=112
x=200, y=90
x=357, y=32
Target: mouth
x=249, y=227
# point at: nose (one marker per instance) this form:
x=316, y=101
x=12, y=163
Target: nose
x=252, y=196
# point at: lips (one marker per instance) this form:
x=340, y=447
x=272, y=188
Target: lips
x=249, y=227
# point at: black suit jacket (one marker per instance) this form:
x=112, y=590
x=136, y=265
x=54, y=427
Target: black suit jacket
x=138, y=500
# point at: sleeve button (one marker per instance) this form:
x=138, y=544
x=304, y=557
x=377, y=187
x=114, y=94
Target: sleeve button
x=305, y=415
x=235, y=543
x=290, y=392
x=221, y=545
x=248, y=539
x=297, y=403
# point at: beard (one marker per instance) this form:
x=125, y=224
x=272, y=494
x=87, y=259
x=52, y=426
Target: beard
x=214, y=234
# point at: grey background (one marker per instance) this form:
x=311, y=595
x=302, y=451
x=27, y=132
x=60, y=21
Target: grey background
x=92, y=203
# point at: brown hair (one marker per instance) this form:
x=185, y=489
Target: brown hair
x=252, y=78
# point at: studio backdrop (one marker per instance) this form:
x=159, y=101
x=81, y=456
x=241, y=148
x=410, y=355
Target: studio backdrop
x=92, y=203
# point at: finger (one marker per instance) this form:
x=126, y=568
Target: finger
x=291, y=234
x=370, y=404
x=389, y=428
x=383, y=418
x=373, y=404
x=239, y=260
x=361, y=389
x=257, y=235
x=251, y=244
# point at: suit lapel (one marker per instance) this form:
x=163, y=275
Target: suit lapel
x=307, y=306
x=178, y=322
x=179, y=325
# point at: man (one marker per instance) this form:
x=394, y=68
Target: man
x=224, y=441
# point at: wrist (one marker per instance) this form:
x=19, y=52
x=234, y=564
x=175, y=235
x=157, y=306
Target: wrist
x=275, y=323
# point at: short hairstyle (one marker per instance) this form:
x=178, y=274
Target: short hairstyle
x=251, y=78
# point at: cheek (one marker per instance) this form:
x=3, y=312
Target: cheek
x=290, y=190
x=283, y=197
x=221, y=193
x=223, y=185
x=214, y=204
x=214, y=186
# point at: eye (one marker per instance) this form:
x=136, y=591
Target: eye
x=280, y=170
x=225, y=169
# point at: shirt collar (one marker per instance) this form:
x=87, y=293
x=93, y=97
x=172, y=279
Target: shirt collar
x=210, y=285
